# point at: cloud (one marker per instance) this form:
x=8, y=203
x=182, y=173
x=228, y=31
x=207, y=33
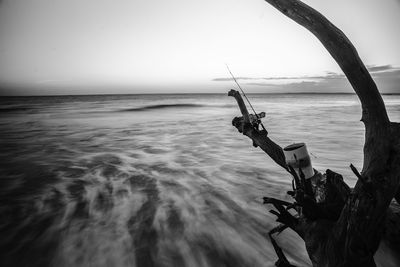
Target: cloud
x=50, y=81
x=386, y=77
x=380, y=68
x=231, y=79
x=282, y=78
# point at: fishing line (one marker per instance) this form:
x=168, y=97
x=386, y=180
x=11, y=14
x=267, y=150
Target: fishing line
x=248, y=101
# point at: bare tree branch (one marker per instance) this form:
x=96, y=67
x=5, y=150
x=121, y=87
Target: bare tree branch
x=357, y=233
x=343, y=51
x=353, y=238
x=259, y=138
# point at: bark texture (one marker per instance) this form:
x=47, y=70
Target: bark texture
x=352, y=238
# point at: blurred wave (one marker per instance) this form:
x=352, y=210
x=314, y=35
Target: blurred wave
x=83, y=185
x=164, y=106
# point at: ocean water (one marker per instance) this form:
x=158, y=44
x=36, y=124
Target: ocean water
x=159, y=180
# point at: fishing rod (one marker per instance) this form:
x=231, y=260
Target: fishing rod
x=248, y=101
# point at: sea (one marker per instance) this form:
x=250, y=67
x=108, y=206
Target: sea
x=161, y=180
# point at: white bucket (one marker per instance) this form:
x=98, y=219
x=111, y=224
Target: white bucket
x=296, y=155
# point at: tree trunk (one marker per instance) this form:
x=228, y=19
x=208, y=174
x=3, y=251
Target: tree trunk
x=354, y=237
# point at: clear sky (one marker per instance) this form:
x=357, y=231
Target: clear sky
x=162, y=46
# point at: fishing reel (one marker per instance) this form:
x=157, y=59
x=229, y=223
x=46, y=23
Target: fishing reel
x=255, y=121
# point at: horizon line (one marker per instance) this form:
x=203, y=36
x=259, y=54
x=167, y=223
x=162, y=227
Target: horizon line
x=195, y=93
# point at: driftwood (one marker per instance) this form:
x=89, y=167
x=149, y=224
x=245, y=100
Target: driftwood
x=350, y=233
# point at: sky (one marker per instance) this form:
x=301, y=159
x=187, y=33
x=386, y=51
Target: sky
x=181, y=46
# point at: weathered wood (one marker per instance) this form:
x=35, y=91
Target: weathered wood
x=260, y=139
x=363, y=215
x=241, y=105
x=354, y=237
x=344, y=53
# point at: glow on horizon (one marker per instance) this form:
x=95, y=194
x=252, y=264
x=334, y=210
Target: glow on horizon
x=121, y=46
